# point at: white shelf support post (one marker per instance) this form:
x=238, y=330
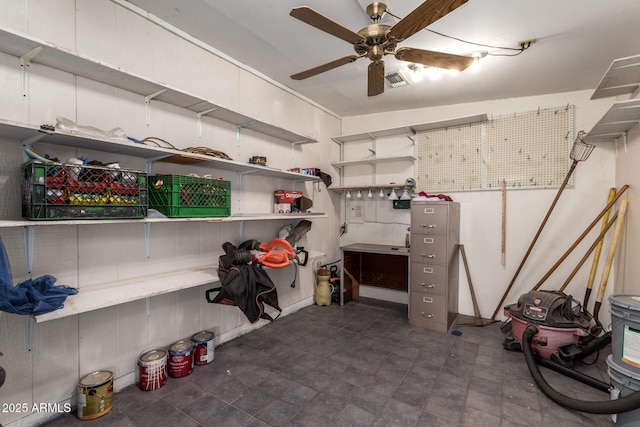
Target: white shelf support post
x=147, y=302
x=199, y=118
x=30, y=326
x=239, y=128
x=29, y=233
x=147, y=101
x=25, y=61
x=147, y=238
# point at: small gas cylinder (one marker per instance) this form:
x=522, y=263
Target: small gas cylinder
x=323, y=288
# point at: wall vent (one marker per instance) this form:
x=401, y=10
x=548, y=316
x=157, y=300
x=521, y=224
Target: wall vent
x=395, y=79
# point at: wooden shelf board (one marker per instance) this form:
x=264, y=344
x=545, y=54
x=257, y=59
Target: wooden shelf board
x=233, y=218
x=120, y=292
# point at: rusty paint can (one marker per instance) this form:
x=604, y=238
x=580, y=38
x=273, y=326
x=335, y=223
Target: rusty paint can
x=152, y=367
x=180, y=359
x=204, y=347
x=95, y=395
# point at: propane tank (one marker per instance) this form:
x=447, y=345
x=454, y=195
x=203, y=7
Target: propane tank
x=323, y=288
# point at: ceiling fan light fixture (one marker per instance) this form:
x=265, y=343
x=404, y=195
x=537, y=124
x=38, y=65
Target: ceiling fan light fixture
x=417, y=72
x=434, y=73
x=477, y=56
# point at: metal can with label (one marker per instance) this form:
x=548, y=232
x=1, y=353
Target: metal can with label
x=181, y=359
x=204, y=347
x=95, y=395
x=153, y=370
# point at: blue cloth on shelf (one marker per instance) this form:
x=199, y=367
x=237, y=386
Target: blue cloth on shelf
x=33, y=297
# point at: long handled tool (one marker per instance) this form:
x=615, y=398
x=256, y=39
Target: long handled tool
x=608, y=265
x=596, y=256
x=597, y=243
x=579, y=152
x=582, y=236
x=504, y=222
x=477, y=319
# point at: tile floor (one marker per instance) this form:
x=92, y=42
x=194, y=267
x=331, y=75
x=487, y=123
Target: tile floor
x=356, y=365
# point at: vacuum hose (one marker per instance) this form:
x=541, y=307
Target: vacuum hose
x=624, y=404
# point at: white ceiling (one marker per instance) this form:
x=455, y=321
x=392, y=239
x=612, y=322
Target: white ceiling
x=576, y=42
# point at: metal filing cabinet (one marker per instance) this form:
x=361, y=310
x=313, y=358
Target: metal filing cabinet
x=433, y=293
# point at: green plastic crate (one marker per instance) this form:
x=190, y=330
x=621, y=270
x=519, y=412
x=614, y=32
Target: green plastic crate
x=59, y=191
x=181, y=196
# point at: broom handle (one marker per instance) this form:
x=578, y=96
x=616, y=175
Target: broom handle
x=596, y=256
x=609, y=263
x=535, y=239
x=606, y=208
x=504, y=222
x=596, y=244
x=577, y=242
x=476, y=309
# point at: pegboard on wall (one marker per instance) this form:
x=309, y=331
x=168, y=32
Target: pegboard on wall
x=526, y=150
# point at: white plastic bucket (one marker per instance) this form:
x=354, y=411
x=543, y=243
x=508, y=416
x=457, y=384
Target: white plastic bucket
x=625, y=331
x=627, y=383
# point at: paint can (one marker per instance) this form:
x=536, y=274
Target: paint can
x=152, y=367
x=625, y=331
x=180, y=359
x=204, y=347
x=95, y=395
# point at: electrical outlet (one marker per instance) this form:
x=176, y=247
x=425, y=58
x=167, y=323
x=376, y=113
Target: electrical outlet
x=526, y=43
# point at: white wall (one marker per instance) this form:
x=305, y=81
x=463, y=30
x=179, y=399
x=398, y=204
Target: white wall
x=481, y=210
x=83, y=256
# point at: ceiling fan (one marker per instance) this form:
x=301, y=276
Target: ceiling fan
x=376, y=40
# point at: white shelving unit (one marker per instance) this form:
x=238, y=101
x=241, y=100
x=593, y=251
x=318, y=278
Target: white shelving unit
x=373, y=160
x=29, y=49
x=622, y=77
x=616, y=122
x=120, y=292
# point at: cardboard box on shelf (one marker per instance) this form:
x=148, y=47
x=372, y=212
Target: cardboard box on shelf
x=284, y=199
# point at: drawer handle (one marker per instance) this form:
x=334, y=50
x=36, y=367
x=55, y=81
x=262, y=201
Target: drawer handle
x=428, y=225
x=428, y=256
x=427, y=315
x=427, y=285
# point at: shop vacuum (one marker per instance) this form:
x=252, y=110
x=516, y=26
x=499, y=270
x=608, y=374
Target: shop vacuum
x=552, y=330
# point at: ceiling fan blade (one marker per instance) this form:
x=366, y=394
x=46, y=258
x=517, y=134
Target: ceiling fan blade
x=434, y=59
x=321, y=22
x=427, y=13
x=324, y=67
x=375, y=85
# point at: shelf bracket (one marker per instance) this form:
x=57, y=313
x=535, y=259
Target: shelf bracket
x=25, y=61
x=147, y=302
x=199, y=118
x=147, y=238
x=29, y=235
x=240, y=174
x=147, y=101
x=239, y=128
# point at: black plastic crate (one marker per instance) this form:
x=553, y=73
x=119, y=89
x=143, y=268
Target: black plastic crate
x=60, y=191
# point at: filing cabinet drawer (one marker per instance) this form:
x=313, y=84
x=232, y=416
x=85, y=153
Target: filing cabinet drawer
x=428, y=311
x=430, y=219
x=428, y=279
x=429, y=249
